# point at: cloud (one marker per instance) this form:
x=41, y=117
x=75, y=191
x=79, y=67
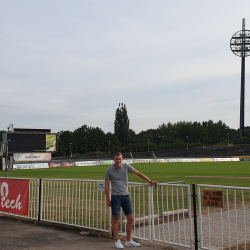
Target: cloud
x=68, y=64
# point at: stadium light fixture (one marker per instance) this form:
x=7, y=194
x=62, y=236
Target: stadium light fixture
x=240, y=46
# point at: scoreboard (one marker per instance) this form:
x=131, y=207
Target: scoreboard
x=27, y=143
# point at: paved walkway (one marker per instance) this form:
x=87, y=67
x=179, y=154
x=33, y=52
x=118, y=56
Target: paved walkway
x=31, y=236
x=223, y=229
x=220, y=232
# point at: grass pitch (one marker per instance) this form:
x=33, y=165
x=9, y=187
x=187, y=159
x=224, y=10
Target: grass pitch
x=161, y=172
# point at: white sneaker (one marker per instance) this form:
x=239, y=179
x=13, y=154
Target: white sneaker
x=131, y=243
x=118, y=244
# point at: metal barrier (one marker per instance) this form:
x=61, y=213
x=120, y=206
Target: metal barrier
x=75, y=202
x=162, y=213
x=226, y=227
x=33, y=197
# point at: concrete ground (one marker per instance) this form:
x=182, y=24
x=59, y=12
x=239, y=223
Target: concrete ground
x=18, y=234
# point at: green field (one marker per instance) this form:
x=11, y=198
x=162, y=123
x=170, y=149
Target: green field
x=161, y=172
x=60, y=198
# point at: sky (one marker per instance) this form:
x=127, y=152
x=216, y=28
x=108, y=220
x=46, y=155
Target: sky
x=64, y=64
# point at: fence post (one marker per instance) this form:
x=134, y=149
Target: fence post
x=195, y=218
x=39, y=199
x=149, y=212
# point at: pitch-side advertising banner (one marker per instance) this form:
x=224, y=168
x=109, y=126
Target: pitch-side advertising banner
x=14, y=196
x=31, y=166
x=62, y=164
x=55, y=165
x=143, y=160
x=69, y=164
x=87, y=163
x=129, y=161
x=206, y=159
x=32, y=157
x=106, y=162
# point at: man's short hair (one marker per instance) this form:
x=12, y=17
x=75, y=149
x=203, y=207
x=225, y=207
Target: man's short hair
x=117, y=154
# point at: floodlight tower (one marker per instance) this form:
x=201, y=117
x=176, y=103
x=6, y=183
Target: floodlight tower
x=240, y=46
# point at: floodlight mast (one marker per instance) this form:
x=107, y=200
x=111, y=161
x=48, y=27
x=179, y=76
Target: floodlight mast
x=240, y=46
x=242, y=89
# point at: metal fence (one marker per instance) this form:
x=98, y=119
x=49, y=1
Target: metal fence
x=228, y=227
x=161, y=213
x=75, y=202
x=33, y=197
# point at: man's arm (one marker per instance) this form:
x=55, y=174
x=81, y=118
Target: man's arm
x=107, y=182
x=144, y=177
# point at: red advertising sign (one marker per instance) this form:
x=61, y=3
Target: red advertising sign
x=14, y=196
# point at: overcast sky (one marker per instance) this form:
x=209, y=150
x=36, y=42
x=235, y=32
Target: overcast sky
x=64, y=64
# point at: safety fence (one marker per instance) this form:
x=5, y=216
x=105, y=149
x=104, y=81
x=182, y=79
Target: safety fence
x=75, y=202
x=162, y=213
x=159, y=212
x=7, y=197
x=227, y=227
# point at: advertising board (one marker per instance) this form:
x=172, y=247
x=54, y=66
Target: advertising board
x=32, y=157
x=31, y=166
x=87, y=163
x=106, y=162
x=14, y=196
x=51, y=143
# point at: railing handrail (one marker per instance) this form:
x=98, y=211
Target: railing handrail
x=49, y=179
x=35, y=179
x=224, y=187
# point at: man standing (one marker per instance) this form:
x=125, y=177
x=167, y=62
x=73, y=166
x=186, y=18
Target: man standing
x=118, y=175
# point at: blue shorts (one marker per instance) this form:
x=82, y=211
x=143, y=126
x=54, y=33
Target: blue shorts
x=121, y=201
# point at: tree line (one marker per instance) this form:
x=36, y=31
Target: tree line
x=88, y=140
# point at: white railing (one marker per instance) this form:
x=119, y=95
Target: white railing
x=33, y=197
x=75, y=202
x=162, y=213
x=172, y=206
x=225, y=227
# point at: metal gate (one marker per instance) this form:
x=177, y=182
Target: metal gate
x=227, y=227
x=161, y=213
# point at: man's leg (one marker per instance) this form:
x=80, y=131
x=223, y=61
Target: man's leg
x=130, y=242
x=115, y=227
x=130, y=220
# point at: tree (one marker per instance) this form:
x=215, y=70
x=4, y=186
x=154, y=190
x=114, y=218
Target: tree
x=1, y=135
x=64, y=140
x=122, y=125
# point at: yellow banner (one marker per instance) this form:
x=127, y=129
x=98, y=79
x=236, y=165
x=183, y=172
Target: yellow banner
x=206, y=160
x=51, y=143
